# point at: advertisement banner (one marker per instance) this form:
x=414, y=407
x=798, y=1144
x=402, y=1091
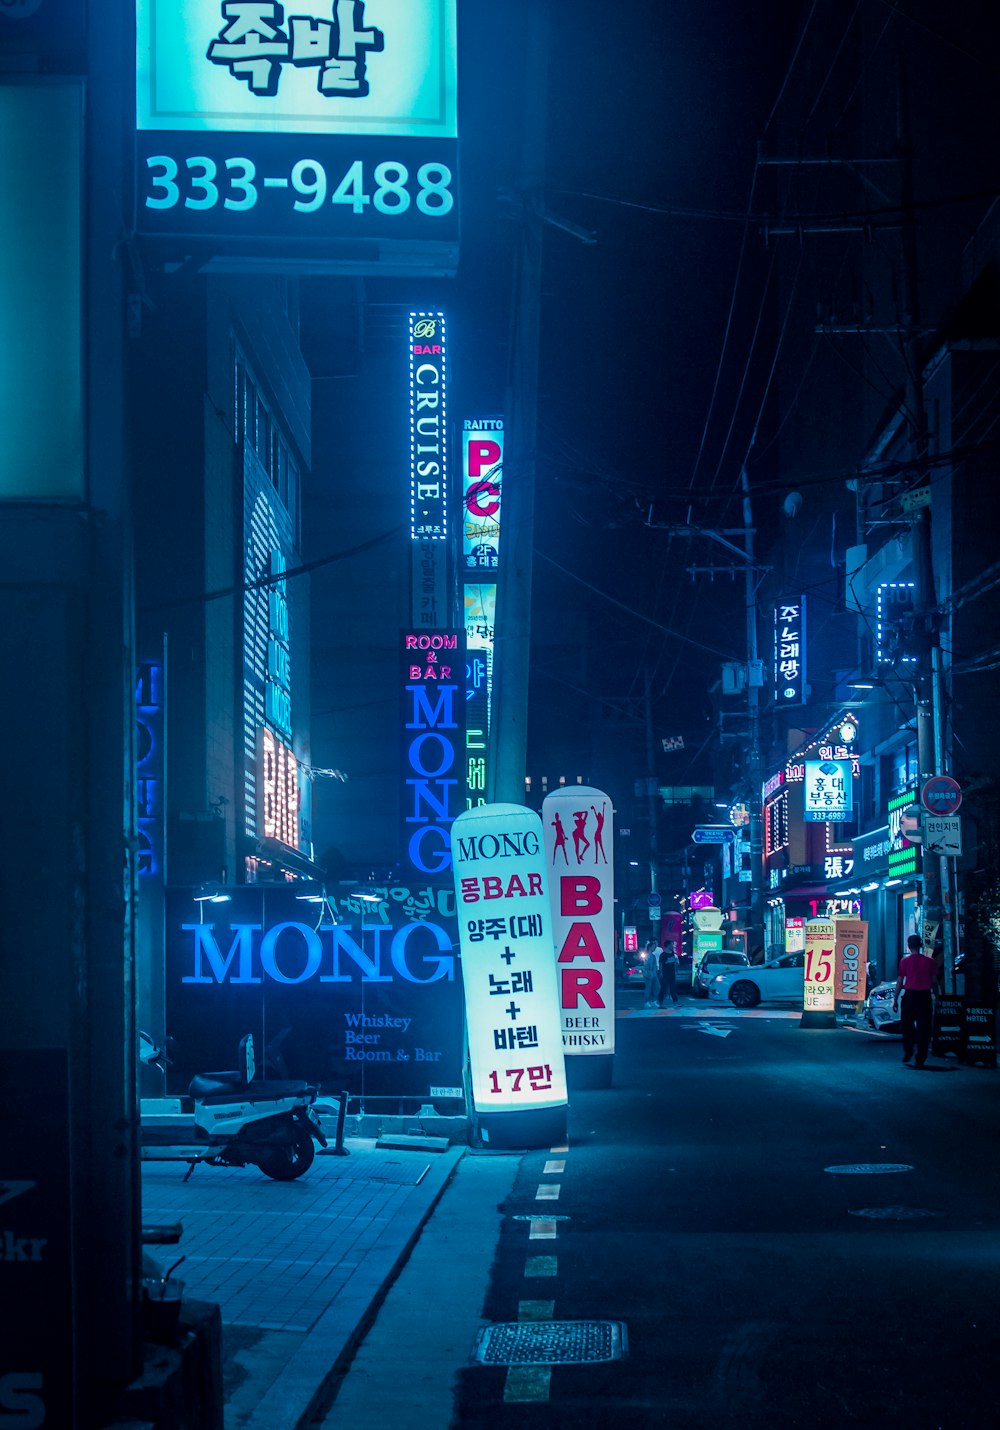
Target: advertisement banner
x=828, y=791
x=821, y=944
x=334, y=126
x=508, y=967
x=578, y=850
x=852, y=960
x=353, y=993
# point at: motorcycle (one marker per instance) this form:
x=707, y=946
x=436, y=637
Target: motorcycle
x=266, y=1123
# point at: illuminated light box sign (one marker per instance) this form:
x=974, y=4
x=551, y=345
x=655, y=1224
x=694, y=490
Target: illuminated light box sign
x=336, y=124
x=482, y=466
x=578, y=828
x=149, y=768
x=358, y=996
x=790, y=652
x=818, y=986
x=428, y=427
x=433, y=739
x=829, y=791
x=279, y=790
x=893, y=610
x=509, y=976
x=902, y=856
x=477, y=724
x=852, y=959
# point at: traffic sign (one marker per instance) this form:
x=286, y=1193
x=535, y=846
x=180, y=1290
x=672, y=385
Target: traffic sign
x=943, y=834
x=712, y=834
x=941, y=794
x=654, y=901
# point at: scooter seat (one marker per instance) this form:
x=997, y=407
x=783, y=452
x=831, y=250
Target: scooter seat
x=225, y=1087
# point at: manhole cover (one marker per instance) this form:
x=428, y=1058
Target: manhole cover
x=869, y=1168
x=551, y=1342
x=895, y=1213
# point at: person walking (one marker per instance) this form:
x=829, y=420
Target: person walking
x=668, y=974
x=918, y=976
x=652, y=967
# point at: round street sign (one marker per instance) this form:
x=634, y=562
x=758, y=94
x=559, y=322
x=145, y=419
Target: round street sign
x=941, y=794
x=655, y=900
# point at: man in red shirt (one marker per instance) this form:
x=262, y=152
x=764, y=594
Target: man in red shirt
x=918, y=975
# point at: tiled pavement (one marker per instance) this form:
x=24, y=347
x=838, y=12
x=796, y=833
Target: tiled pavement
x=293, y=1265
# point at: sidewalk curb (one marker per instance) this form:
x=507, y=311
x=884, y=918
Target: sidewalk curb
x=299, y=1390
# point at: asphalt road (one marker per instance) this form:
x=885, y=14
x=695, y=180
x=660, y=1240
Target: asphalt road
x=757, y=1288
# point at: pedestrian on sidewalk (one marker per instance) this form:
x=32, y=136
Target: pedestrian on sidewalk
x=668, y=974
x=918, y=976
x=652, y=969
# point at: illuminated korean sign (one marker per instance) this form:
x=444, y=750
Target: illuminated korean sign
x=482, y=465
x=279, y=790
x=578, y=849
x=902, y=856
x=795, y=935
x=852, y=959
x=818, y=989
x=433, y=738
x=790, y=652
x=828, y=790
x=508, y=967
x=328, y=127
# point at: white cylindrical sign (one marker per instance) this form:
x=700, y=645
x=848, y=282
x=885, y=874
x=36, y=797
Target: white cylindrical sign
x=821, y=944
x=508, y=972
x=578, y=850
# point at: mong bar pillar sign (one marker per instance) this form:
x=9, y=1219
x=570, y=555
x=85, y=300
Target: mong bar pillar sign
x=580, y=858
x=818, y=989
x=509, y=977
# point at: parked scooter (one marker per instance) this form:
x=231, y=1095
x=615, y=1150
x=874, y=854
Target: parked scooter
x=270, y=1124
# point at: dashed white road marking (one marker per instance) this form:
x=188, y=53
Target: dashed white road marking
x=542, y=1229
x=527, y=1383
x=541, y=1266
x=554, y=1167
x=548, y=1192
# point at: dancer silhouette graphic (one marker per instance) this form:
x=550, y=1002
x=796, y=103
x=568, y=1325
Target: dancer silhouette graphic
x=560, y=843
x=580, y=841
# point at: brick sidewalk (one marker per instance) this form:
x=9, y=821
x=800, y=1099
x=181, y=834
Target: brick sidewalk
x=294, y=1266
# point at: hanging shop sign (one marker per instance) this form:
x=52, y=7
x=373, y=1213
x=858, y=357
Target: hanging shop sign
x=795, y=935
x=349, y=993
x=851, y=959
x=482, y=468
x=790, y=652
x=332, y=133
x=482, y=471
x=893, y=615
x=509, y=974
x=818, y=987
x=829, y=791
x=429, y=469
x=433, y=738
x=149, y=769
x=578, y=830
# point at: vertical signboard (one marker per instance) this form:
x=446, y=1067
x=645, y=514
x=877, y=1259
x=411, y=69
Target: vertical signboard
x=433, y=739
x=790, y=652
x=828, y=791
x=795, y=935
x=578, y=831
x=482, y=468
x=331, y=132
x=428, y=469
x=818, y=987
x=852, y=960
x=509, y=976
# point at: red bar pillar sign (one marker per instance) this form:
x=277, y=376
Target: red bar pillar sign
x=509, y=977
x=578, y=824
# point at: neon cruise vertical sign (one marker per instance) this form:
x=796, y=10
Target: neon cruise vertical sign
x=428, y=471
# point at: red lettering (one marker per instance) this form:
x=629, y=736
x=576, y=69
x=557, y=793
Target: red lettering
x=581, y=983
x=474, y=502
x=581, y=942
x=579, y=896
x=492, y=887
x=470, y=891
x=482, y=454
x=414, y=672
x=516, y=887
x=534, y=884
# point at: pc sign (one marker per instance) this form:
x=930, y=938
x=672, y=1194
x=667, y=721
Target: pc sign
x=509, y=976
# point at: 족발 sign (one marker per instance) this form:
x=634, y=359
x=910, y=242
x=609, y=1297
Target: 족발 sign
x=582, y=894
x=332, y=131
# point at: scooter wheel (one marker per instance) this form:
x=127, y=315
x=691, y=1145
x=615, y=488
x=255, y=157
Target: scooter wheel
x=287, y=1160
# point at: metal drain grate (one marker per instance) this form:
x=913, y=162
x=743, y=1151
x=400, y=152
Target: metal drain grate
x=895, y=1213
x=551, y=1342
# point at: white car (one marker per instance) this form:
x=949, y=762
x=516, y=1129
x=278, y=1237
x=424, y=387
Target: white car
x=779, y=980
x=718, y=961
x=879, y=1012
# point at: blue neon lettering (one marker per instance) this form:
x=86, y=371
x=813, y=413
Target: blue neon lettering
x=205, y=945
x=269, y=952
